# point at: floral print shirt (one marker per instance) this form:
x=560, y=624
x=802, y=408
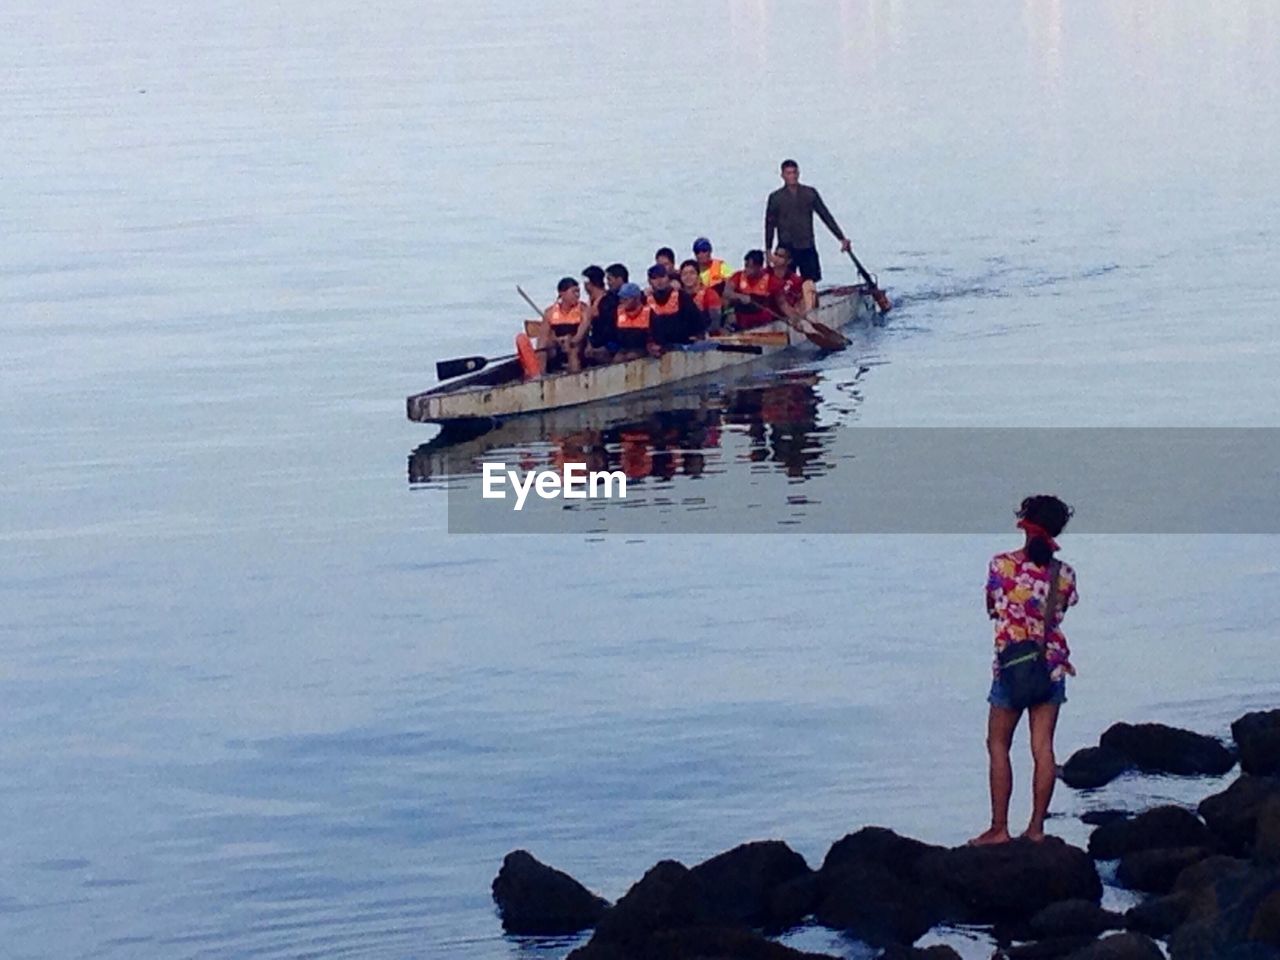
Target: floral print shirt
x=1017, y=590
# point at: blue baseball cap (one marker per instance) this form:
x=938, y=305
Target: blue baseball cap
x=701, y=244
x=630, y=290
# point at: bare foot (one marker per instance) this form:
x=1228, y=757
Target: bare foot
x=1033, y=834
x=992, y=836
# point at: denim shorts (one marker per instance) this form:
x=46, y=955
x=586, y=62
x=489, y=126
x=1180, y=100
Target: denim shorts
x=999, y=698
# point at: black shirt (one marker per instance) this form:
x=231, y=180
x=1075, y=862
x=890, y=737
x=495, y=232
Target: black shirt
x=791, y=214
x=680, y=327
x=604, y=325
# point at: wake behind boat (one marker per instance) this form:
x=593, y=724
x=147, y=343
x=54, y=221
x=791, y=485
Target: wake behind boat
x=502, y=390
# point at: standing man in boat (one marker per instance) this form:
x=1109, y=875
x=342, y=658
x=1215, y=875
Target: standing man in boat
x=789, y=212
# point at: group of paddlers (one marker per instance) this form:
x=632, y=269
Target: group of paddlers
x=621, y=320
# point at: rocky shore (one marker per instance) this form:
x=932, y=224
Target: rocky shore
x=1212, y=876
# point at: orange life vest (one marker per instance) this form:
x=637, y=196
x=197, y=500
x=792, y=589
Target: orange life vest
x=759, y=287
x=714, y=273
x=634, y=321
x=565, y=322
x=668, y=309
x=706, y=298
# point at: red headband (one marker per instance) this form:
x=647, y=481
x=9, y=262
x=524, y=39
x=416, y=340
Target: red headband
x=1038, y=532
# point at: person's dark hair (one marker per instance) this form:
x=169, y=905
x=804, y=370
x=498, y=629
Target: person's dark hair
x=755, y=257
x=665, y=252
x=658, y=270
x=690, y=263
x=619, y=271
x=789, y=163
x=566, y=283
x=594, y=275
x=1051, y=515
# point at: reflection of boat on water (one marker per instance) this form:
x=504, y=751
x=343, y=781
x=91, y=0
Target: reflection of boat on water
x=501, y=391
x=658, y=436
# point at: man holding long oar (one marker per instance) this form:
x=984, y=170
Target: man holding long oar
x=789, y=212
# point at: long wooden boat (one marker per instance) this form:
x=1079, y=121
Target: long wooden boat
x=501, y=391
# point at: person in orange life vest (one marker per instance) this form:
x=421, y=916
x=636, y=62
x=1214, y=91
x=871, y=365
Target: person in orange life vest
x=676, y=318
x=714, y=271
x=752, y=291
x=635, y=336
x=704, y=298
x=798, y=295
x=666, y=257
x=564, y=327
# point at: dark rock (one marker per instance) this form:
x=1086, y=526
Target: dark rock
x=1265, y=927
x=877, y=845
x=1209, y=871
x=536, y=899
x=739, y=884
x=876, y=905
x=1232, y=815
x=666, y=915
x=937, y=952
x=1096, y=818
x=868, y=886
x=1011, y=881
x=666, y=897
x=1158, y=827
x=1094, y=767
x=1156, y=748
x=1120, y=946
x=1266, y=843
x=1156, y=871
x=1050, y=949
x=791, y=902
x=1068, y=918
x=1226, y=914
x=1258, y=737
x=1159, y=916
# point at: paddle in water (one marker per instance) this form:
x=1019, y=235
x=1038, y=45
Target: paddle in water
x=881, y=298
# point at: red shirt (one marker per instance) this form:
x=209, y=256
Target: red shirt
x=707, y=299
x=792, y=288
x=767, y=285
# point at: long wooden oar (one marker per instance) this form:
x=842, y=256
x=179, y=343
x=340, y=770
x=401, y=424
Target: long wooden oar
x=818, y=333
x=529, y=300
x=881, y=298
x=823, y=336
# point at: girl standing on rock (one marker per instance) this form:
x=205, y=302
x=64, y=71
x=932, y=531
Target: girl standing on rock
x=1032, y=659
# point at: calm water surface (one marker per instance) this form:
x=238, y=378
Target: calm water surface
x=256, y=702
